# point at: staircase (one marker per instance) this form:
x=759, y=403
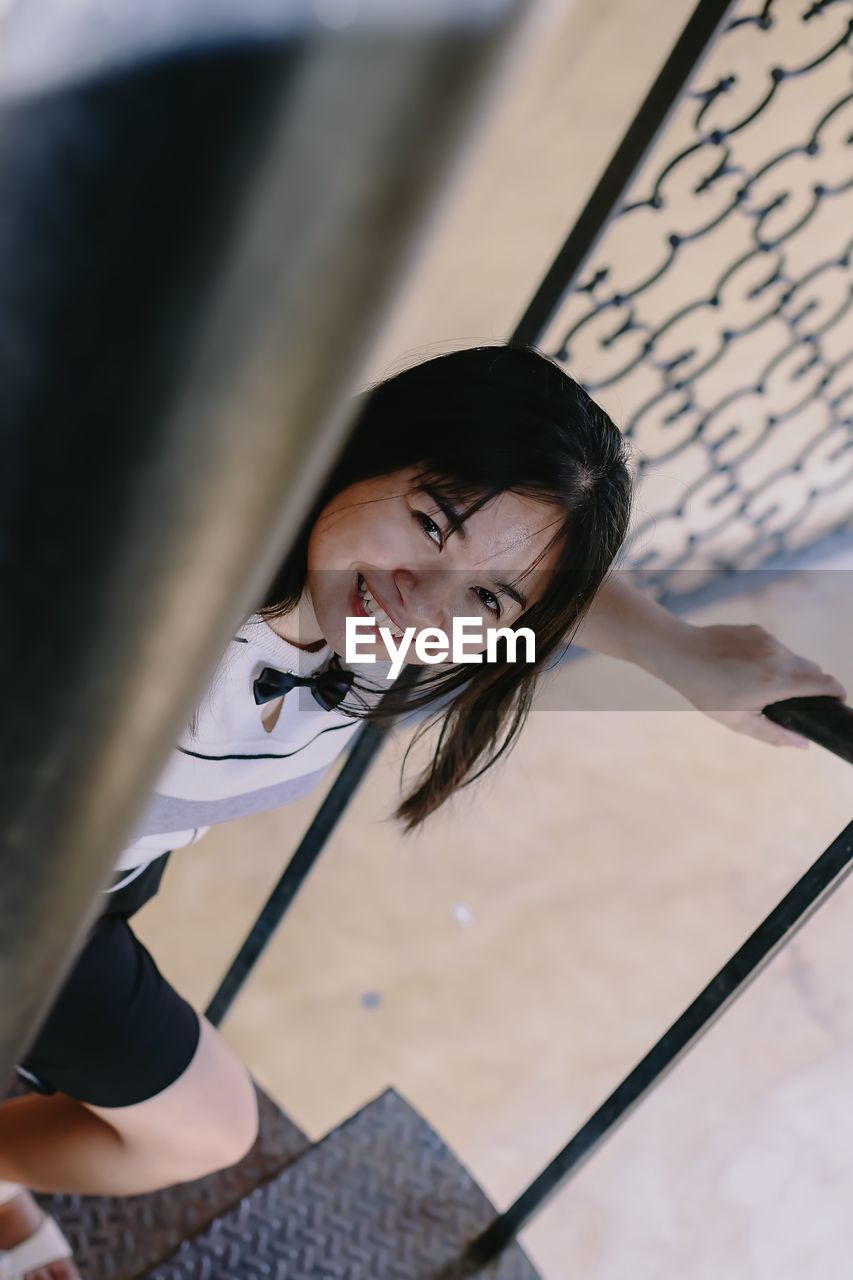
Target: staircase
x=379, y=1198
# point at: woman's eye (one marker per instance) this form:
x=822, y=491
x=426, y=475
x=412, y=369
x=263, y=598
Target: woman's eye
x=429, y=527
x=489, y=599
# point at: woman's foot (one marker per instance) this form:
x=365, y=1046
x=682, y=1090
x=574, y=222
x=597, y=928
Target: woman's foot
x=20, y=1218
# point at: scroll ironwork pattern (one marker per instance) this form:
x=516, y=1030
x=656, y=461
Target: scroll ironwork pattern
x=714, y=318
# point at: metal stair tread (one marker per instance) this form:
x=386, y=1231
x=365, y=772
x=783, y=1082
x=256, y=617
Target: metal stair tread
x=381, y=1197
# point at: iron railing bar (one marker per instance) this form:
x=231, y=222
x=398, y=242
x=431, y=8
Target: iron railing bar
x=825, y=721
x=360, y=757
x=640, y=136
x=777, y=928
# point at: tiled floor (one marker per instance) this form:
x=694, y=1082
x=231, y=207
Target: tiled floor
x=508, y=965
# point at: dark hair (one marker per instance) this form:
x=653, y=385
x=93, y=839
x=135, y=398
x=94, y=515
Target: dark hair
x=477, y=423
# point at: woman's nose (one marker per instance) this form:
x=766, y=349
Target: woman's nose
x=426, y=597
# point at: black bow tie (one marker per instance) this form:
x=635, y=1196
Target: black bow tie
x=329, y=687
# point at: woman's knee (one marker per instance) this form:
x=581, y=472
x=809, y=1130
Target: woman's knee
x=204, y=1121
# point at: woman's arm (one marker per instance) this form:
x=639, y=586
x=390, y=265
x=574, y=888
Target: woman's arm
x=728, y=672
x=625, y=623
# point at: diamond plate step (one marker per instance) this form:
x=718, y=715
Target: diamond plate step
x=122, y=1237
x=380, y=1198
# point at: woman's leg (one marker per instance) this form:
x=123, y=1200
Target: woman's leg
x=205, y=1120
x=143, y=1092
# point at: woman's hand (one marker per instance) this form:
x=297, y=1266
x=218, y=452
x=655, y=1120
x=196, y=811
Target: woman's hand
x=728, y=672
x=732, y=672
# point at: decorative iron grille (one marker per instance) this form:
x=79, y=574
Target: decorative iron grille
x=711, y=313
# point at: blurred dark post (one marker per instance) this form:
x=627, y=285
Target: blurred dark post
x=196, y=243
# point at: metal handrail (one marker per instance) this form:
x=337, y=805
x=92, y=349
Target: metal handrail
x=657, y=106
x=177, y=376
x=827, y=722
x=360, y=757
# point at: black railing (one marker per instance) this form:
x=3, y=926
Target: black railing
x=610, y=329
x=572, y=278
x=360, y=757
x=705, y=293
x=829, y=723
x=583, y=287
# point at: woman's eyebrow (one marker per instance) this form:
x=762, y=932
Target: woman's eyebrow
x=450, y=514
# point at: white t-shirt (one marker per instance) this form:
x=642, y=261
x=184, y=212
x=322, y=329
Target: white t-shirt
x=233, y=765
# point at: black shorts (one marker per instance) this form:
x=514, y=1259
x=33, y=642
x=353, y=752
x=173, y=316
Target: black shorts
x=117, y=1033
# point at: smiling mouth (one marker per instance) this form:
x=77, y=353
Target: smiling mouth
x=375, y=610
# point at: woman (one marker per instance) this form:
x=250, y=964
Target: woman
x=485, y=483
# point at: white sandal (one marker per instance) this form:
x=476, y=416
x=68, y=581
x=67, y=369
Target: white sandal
x=47, y=1244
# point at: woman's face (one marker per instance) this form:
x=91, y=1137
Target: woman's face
x=385, y=548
